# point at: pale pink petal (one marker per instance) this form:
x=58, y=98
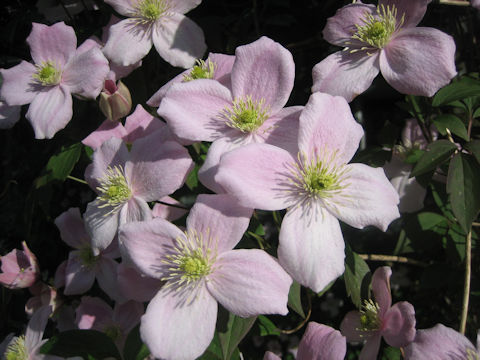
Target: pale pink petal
x=92, y=313
x=381, y=289
x=55, y=43
x=439, y=342
x=476, y=3
x=59, y=279
x=371, y=347
x=184, y=6
x=127, y=315
x=135, y=286
x=327, y=126
x=179, y=40
x=345, y=74
x=311, y=246
x=412, y=10
x=193, y=109
x=9, y=115
x=128, y=42
x=18, y=87
x=350, y=327
x=78, y=277
x=72, y=229
x=219, y=217
x=271, y=356
x=123, y=7
x=136, y=209
x=101, y=225
x=140, y=124
x=50, y=111
x=106, y=274
x=419, y=61
x=157, y=169
x=398, y=324
x=321, y=342
x=258, y=175
x=91, y=43
x=179, y=328
x=107, y=130
x=9, y=280
x=156, y=98
x=340, y=27
x=147, y=242
x=170, y=213
x=366, y=198
x=36, y=327
x=265, y=70
x=250, y=282
x=85, y=73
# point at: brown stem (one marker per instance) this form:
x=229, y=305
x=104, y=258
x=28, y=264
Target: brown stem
x=393, y=258
x=454, y=2
x=466, y=286
x=302, y=324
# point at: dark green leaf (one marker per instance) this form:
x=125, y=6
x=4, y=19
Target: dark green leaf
x=391, y=353
x=236, y=330
x=60, y=165
x=357, y=277
x=474, y=147
x=295, y=300
x=463, y=186
x=134, y=348
x=413, y=156
x=437, y=152
x=192, y=178
x=451, y=122
x=267, y=327
x=89, y=344
x=458, y=90
x=429, y=220
x=417, y=105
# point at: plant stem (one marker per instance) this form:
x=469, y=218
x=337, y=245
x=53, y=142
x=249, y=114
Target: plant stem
x=466, y=286
x=307, y=317
x=393, y=258
x=77, y=179
x=454, y=2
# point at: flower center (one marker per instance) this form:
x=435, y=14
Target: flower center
x=203, y=70
x=377, y=29
x=87, y=257
x=47, y=73
x=17, y=349
x=113, y=189
x=369, y=319
x=246, y=115
x=151, y=10
x=113, y=332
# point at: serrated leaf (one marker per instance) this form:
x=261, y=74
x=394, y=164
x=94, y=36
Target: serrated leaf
x=458, y=90
x=357, y=277
x=89, y=344
x=437, y=152
x=60, y=165
x=451, y=122
x=474, y=147
x=236, y=330
x=267, y=327
x=134, y=348
x=429, y=220
x=295, y=299
x=463, y=186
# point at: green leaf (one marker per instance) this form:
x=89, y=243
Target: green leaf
x=236, y=330
x=357, y=277
x=192, y=178
x=413, y=156
x=437, y=152
x=428, y=220
x=391, y=353
x=458, y=90
x=295, y=300
x=474, y=147
x=60, y=165
x=89, y=344
x=134, y=348
x=463, y=186
x=451, y=122
x=267, y=327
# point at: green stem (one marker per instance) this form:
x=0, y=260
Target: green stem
x=466, y=286
x=77, y=179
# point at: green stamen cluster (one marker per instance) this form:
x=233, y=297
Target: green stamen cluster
x=113, y=189
x=17, y=350
x=150, y=10
x=246, y=115
x=472, y=354
x=47, y=74
x=203, y=70
x=377, y=30
x=87, y=257
x=369, y=316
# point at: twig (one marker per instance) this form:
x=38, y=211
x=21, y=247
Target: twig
x=466, y=286
x=454, y=2
x=393, y=258
x=302, y=324
x=475, y=224
x=76, y=179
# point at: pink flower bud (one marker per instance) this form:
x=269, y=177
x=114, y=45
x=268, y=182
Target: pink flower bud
x=115, y=100
x=19, y=268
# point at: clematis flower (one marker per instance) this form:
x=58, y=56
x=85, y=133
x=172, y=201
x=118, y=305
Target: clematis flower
x=177, y=39
x=476, y=3
x=19, y=268
x=316, y=186
x=413, y=60
x=441, y=343
x=200, y=268
x=9, y=115
x=377, y=319
x=126, y=180
x=60, y=70
x=134, y=285
x=251, y=111
x=320, y=342
x=43, y=295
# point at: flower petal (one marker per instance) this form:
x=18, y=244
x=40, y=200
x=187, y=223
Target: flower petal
x=321, y=342
x=350, y=327
x=107, y=130
x=371, y=347
x=92, y=313
x=176, y=328
x=50, y=112
x=412, y=10
x=106, y=274
x=101, y=225
x=381, y=289
x=419, y=61
x=398, y=324
x=367, y=198
x=179, y=40
x=17, y=87
x=9, y=115
x=72, y=229
x=345, y=74
x=265, y=70
x=184, y=6
x=78, y=277
x=170, y=213
x=311, y=246
x=135, y=286
x=140, y=124
x=250, y=282
x=271, y=356
x=136, y=209
x=36, y=327
x=127, y=315
x=123, y=7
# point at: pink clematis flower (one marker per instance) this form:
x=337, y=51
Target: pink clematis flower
x=60, y=70
x=200, y=269
x=177, y=39
x=320, y=342
x=19, y=268
x=134, y=285
x=316, y=186
x=377, y=319
x=413, y=60
x=250, y=111
x=441, y=343
x=126, y=180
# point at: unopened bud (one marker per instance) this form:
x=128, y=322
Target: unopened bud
x=115, y=100
x=19, y=268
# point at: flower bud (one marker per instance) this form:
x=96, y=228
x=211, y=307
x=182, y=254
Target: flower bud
x=19, y=268
x=115, y=100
